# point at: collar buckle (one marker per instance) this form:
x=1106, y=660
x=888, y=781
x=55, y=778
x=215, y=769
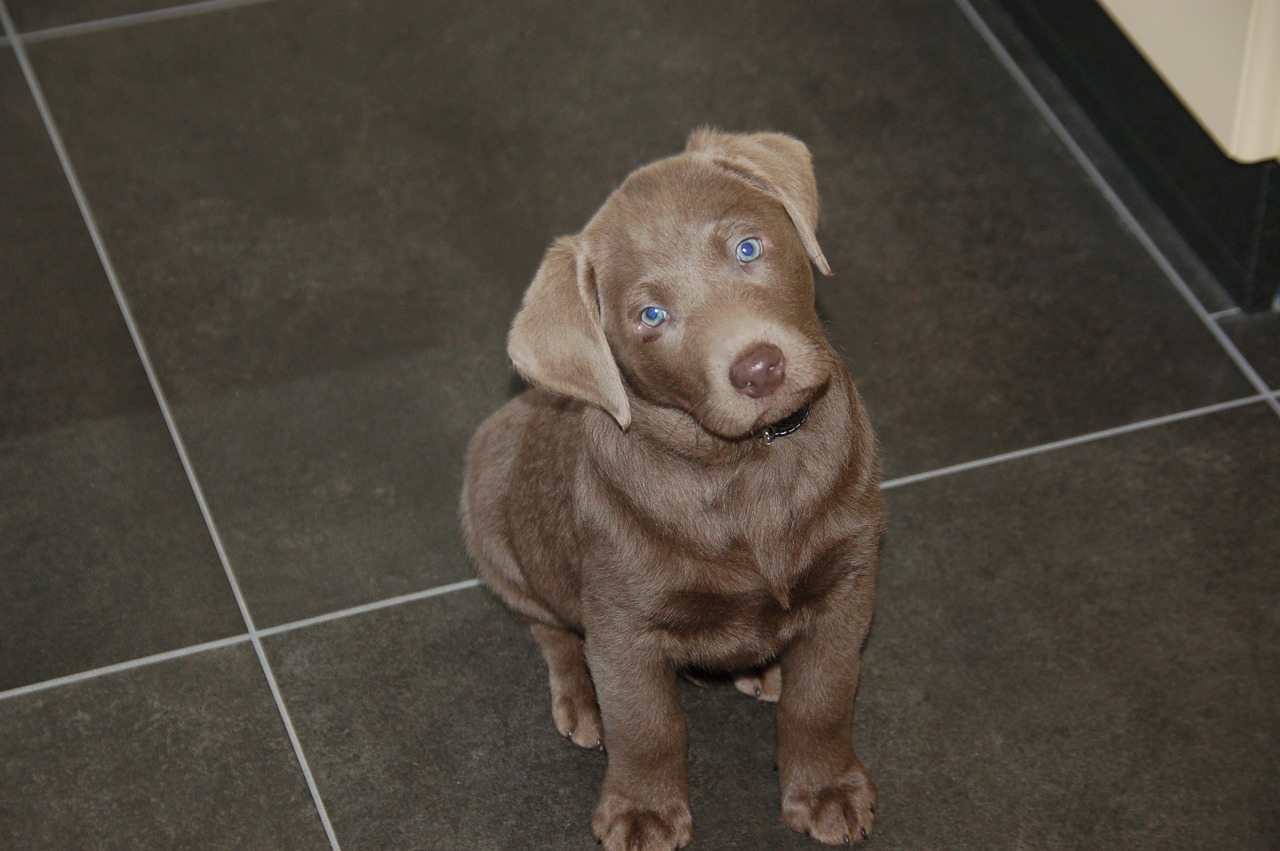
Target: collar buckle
x=785, y=426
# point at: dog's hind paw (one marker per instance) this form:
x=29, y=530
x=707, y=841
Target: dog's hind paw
x=763, y=685
x=578, y=719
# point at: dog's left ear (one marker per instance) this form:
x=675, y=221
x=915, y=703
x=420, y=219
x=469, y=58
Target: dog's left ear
x=780, y=165
x=557, y=341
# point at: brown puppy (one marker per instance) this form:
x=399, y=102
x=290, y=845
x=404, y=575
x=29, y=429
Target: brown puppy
x=694, y=483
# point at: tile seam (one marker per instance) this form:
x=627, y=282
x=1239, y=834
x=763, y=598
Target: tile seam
x=377, y=605
x=122, y=667
x=115, y=22
x=90, y=222
x=1108, y=192
x=268, y=632
x=1078, y=440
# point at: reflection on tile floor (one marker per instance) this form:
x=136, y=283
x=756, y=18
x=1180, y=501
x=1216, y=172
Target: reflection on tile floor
x=322, y=217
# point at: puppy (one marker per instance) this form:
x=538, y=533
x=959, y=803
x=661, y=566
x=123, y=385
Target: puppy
x=692, y=483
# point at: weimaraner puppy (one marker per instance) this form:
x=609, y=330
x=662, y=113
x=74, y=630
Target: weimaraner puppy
x=691, y=483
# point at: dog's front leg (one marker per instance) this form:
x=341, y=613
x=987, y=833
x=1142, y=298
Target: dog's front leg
x=644, y=805
x=826, y=792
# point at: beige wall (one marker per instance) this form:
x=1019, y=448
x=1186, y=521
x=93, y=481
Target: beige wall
x=1222, y=58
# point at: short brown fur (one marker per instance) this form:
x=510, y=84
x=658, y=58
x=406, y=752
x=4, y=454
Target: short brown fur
x=628, y=509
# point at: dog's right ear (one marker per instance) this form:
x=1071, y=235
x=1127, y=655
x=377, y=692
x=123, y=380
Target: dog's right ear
x=557, y=341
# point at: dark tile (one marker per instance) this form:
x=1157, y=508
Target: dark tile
x=185, y=754
x=1258, y=338
x=106, y=556
x=986, y=294
x=1079, y=649
x=444, y=738
x=334, y=226
x=296, y=195
x=65, y=354
x=1083, y=655
x=341, y=489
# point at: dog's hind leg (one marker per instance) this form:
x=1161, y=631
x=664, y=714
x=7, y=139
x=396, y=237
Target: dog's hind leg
x=573, y=697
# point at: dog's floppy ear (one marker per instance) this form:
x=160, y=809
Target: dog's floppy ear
x=557, y=341
x=780, y=165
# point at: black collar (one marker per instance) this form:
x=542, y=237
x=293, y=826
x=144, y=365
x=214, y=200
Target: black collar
x=786, y=426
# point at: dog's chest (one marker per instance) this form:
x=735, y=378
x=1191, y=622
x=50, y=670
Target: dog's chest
x=743, y=603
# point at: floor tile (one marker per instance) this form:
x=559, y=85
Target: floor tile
x=1258, y=338
x=184, y=754
x=979, y=317
x=341, y=489
x=1079, y=649
x=324, y=216
x=65, y=354
x=1084, y=656
x=986, y=295
x=106, y=555
x=445, y=738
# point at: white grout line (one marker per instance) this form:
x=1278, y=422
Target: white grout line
x=166, y=14
x=120, y=667
x=1073, y=441
x=55, y=137
x=371, y=607
x=292, y=626
x=1135, y=227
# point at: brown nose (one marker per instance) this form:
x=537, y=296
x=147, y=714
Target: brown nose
x=759, y=372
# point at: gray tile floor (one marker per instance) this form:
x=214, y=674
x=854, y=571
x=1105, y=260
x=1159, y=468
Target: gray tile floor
x=235, y=612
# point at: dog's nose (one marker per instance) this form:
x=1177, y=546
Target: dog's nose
x=759, y=372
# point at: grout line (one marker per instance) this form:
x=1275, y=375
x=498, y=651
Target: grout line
x=169, y=13
x=370, y=607
x=55, y=137
x=120, y=667
x=1131, y=222
x=194, y=649
x=1073, y=441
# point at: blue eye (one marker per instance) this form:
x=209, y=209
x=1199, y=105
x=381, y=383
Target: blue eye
x=749, y=249
x=652, y=316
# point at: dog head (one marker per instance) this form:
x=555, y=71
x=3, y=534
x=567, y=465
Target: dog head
x=690, y=289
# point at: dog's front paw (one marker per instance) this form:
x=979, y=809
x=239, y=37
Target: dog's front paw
x=841, y=811
x=622, y=823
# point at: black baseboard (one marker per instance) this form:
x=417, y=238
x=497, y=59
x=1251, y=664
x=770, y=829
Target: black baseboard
x=1229, y=213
